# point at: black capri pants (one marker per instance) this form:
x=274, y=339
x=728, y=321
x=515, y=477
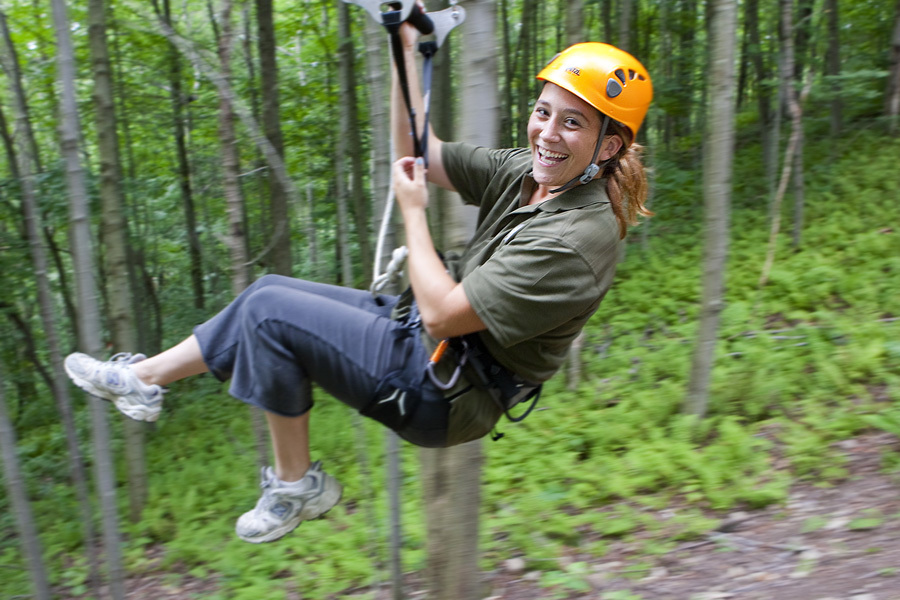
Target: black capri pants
x=281, y=334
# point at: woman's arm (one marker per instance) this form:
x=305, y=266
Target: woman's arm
x=400, y=126
x=443, y=305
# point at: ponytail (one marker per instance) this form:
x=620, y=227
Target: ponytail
x=627, y=187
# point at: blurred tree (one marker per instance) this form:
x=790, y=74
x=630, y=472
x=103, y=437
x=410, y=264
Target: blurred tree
x=718, y=155
x=352, y=153
x=114, y=237
x=892, y=93
x=833, y=65
x=86, y=290
x=574, y=12
x=237, y=239
x=178, y=99
x=18, y=495
x=791, y=165
x=756, y=55
x=623, y=41
x=452, y=477
x=271, y=121
x=341, y=149
x=22, y=163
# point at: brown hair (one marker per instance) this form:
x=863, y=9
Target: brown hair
x=627, y=183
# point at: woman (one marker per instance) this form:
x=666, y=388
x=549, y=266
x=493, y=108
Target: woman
x=551, y=223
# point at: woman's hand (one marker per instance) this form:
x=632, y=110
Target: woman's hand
x=409, y=35
x=410, y=186
x=443, y=305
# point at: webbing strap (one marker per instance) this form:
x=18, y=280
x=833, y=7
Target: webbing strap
x=428, y=50
x=392, y=23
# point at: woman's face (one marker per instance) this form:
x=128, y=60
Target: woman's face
x=562, y=131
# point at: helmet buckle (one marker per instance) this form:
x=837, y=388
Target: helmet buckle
x=589, y=173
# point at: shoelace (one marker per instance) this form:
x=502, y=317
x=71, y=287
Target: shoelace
x=125, y=358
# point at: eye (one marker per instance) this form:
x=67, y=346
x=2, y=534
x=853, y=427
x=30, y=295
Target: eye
x=541, y=112
x=573, y=122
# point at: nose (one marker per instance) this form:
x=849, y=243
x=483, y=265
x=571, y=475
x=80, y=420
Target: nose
x=550, y=131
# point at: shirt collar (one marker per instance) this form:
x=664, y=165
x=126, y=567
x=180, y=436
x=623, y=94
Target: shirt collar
x=579, y=196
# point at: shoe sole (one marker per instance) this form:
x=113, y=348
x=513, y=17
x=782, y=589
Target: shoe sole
x=325, y=499
x=138, y=412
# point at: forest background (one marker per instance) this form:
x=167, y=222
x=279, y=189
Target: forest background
x=202, y=145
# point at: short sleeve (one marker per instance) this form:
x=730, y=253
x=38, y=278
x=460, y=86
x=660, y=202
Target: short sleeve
x=473, y=169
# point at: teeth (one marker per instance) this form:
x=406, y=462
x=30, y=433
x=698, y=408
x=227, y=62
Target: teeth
x=551, y=154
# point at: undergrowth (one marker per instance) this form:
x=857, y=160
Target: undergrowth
x=807, y=360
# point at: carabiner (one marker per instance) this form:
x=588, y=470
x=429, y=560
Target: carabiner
x=436, y=358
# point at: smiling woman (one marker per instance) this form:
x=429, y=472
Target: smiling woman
x=616, y=89
x=474, y=335
x=563, y=132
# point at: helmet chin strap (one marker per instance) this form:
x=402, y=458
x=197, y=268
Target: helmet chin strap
x=592, y=169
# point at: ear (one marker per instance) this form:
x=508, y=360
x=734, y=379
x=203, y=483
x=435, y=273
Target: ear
x=611, y=146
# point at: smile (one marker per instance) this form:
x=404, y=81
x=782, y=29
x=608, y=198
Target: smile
x=549, y=157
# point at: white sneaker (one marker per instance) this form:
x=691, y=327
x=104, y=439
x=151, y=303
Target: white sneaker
x=283, y=506
x=114, y=380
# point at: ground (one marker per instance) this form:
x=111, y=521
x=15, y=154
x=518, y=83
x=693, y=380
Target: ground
x=825, y=543
x=838, y=542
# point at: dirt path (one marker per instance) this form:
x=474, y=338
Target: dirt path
x=826, y=543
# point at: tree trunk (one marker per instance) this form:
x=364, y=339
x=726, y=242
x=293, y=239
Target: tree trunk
x=799, y=189
x=607, y=20
x=184, y=168
x=508, y=125
x=271, y=121
x=451, y=477
x=892, y=93
x=794, y=107
x=573, y=363
x=353, y=151
x=833, y=65
x=345, y=260
x=802, y=36
x=379, y=118
x=57, y=380
x=311, y=241
x=343, y=215
x=717, y=169
x=451, y=481
x=86, y=291
x=763, y=92
x=238, y=246
x=224, y=87
x=525, y=62
x=575, y=22
x=114, y=236
x=18, y=496
x=625, y=9
x=14, y=74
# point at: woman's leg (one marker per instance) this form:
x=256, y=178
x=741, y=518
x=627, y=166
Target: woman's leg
x=290, y=443
x=179, y=361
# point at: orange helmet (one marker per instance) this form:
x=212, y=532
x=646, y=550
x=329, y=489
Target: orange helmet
x=609, y=79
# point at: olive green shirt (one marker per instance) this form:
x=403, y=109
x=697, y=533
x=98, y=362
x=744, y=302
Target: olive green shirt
x=533, y=274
